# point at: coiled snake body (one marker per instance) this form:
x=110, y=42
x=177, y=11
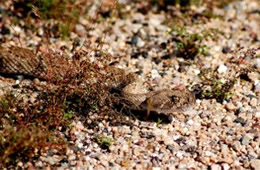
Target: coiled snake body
x=21, y=61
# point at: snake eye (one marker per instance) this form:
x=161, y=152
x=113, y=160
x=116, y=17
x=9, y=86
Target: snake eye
x=174, y=99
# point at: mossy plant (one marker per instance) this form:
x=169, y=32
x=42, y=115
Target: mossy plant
x=218, y=90
x=104, y=141
x=65, y=13
x=188, y=44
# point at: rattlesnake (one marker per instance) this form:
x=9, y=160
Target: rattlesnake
x=21, y=61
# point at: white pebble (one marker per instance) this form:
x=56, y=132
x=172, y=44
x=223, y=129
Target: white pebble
x=222, y=68
x=39, y=164
x=257, y=87
x=156, y=168
x=140, y=42
x=225, y=166
x=155, y=73
x=253, y=102
x=190, y=122
x=196, y=71
x=257, y=62
x=179, y=155
x=215, y=167
x=257, y=114
x=72, y=157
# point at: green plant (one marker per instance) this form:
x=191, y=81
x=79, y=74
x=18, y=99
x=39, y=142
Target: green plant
x=159, y=121
x=26, y=127
x=104, y=141
x=69, y=115
x=218, y=90
x=189, y=45
x=66, y=13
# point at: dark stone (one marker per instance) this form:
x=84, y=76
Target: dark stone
x=134, y=40
x=139, y=72
x=226, y=49
x=256, y=11
x=181, y=140
x=240, y=120
x=157, y=60
x=163, y=45
x=170, y=148
x=244, y=76
x=137, y=54
x=5, y=31
x=167, y=56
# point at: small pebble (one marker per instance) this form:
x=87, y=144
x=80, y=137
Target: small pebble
x=39, y=164
x=72, y=157
x=253, y=76
x=253, y=102
x=257, y=114
x=240, y=120
x=257, y=62
x=230, y=107
x=255, y=164
x=215, y=167
x=246, y=139
x=222, y=68
x=225, y=166
x=140, y=43
x=215, y=135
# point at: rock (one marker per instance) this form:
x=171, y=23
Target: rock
x=225, y=166
x=246, y=139
x=72, y=157
x=253, y=102
x=155, y=20
x=134, y=40
x=215, y=167
x=49, y=160
x=156, y=168
x=140, y=43
x=240, y=120
x=222, y=68
x=170, y=148
x=237, y=146
x=20, y=164
x=257, y=114
x=155, y=73
x=33, y=97
x=80, y=29
x=253, y=76
x=190, y=122
x=5, y=30
x=224, y=150
x=255, y=164
x=257, y=87
x=197, y=71
x=230, y=107
x=226, y=49
x=39, y=164
x=179, y=155
x=257, y=62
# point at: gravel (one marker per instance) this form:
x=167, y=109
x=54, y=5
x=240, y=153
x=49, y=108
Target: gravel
x=213, y=135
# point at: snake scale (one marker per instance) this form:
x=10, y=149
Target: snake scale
x=22, y=61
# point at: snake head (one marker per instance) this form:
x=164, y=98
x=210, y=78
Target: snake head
x=170, y=100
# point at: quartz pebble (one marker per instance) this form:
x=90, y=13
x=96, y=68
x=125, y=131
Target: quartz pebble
x=222, y=68
x=215, y=167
